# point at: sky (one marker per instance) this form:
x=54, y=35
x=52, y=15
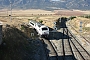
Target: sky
x=55, y=0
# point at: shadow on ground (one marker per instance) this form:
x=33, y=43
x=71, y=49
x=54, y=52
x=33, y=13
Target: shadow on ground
x=63, y=35
x=61, y=25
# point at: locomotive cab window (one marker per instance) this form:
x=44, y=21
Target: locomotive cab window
x=44, y=29
x=31, y=23
x=39, y=26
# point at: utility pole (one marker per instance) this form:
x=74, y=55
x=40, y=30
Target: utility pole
x=10, y=11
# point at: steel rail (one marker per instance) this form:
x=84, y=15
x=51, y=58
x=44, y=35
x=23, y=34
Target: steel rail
x=51, y=47
x=66, y=31
x=80, y=34
x=79, y=45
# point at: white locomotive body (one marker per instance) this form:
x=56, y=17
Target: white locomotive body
x=40, y=28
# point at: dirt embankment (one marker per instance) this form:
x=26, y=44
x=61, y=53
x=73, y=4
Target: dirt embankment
x=82, y=26
x=18, y=44
x=15, y=45
x=85, y=24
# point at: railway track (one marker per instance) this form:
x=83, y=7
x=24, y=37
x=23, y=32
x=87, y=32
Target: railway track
x=52, y=53
x=78, y=50
x=80, y=34
x=66, y=48
x=61, y=52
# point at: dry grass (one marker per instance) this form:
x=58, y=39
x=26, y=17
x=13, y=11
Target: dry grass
x=76, y=23
x=42, y=12
x=48, y=17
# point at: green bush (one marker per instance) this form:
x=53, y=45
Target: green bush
x=72, y=17
x=22, y=27
x=85, y=16
x=40, y=21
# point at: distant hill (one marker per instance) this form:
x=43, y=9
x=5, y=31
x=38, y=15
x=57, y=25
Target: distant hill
x=46, y=4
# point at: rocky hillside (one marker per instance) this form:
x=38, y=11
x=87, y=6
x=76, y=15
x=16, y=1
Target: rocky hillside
x=46, y=4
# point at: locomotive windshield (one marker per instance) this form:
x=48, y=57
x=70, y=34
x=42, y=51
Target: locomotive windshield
x=44, y=29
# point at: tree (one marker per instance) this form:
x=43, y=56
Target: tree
x=40, y=21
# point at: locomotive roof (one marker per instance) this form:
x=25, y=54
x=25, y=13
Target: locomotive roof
x=38, y=23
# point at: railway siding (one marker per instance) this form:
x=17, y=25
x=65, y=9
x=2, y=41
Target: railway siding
x=80, y=38
x=84, y=54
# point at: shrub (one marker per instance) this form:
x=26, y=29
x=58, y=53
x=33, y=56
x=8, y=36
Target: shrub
x=85, y=16
x=72, y=17
x=22, y=27
x=40, y=21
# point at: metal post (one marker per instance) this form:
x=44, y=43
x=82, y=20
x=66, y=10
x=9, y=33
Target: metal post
x=80, y=27
x=10, y=11
x=55, y=27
